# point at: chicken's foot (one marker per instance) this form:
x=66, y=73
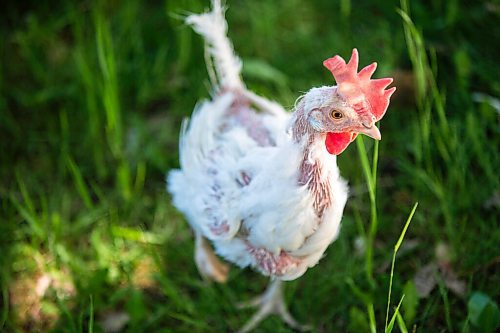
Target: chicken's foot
x=271, y=302
x=209, y=265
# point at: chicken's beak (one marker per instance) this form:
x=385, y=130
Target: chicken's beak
x=372, y=131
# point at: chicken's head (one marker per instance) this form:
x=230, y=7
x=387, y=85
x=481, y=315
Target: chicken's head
x=350, y=108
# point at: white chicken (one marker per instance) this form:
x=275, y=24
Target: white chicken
x=262, y=185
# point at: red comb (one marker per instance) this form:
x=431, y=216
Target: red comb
x=362, y=92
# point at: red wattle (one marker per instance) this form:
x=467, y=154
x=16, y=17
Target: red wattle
x=336, y=143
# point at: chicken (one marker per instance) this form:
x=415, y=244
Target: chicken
x=261, y=184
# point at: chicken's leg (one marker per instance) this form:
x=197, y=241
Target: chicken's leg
x=271, y=302
x=207, y=262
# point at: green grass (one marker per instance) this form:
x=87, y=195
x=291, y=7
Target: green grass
x=92, y=97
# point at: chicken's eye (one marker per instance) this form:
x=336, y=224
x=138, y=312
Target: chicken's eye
x=337, y=114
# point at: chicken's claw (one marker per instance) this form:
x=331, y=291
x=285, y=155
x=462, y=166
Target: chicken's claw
x=271, y=302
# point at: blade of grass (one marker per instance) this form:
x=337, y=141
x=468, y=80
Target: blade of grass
x=5, y=300
x=365, y=164
x=375, y=163
x=110, y=99
x=91, y=315
x=393, y=319
x=88, y=74
x=371, y=317
x=419, y=60
x=80, y=185
x=370, y=177
x=124, y=180
x=431, y=104
x=401, y=323
x=69, y=317
x=396, y=248
x=140, y=177
x=94, y=119
x=30, y=217
x=24, y=193
x=446, y=304
x=364, y=297
x=64, y=141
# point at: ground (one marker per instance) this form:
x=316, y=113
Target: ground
x=92, y=97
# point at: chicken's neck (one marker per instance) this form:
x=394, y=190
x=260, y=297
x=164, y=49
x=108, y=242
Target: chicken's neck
x=314, y=170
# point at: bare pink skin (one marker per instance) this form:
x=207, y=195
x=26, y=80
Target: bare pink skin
x=245, y=116
x=270, y=264
x=309, y=174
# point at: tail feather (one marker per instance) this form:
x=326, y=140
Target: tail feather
x=212, y=26
x=198, y=135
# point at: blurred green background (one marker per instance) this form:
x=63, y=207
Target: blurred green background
x=92, y=97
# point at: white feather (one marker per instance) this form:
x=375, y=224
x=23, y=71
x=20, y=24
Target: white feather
x=278, y=213
x=242, y=195
x=213, y=27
